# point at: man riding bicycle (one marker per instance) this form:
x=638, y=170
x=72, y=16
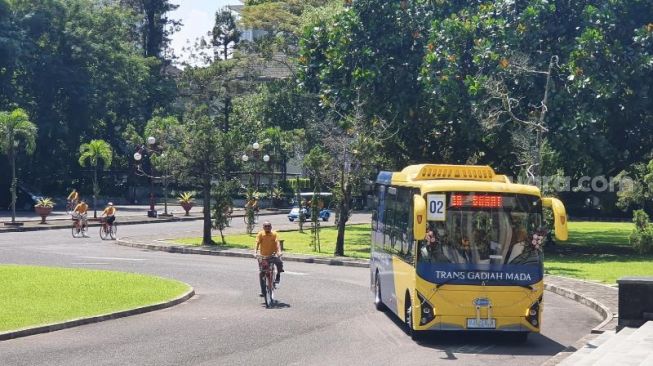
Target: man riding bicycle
x=80, y=213
x=110, y=213
x=268, y=241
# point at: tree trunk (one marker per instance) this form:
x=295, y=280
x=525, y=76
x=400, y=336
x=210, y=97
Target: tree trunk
x=14, y=184
x=96, y=189
x=206, y=237
x=343, y=217
x=165, y=195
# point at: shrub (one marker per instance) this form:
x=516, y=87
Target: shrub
x=44, y=202
x=186, y=197
x=642, y=236
x=640, y=218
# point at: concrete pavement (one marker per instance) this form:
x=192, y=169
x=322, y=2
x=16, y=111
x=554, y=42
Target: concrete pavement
x=599, y=297
x=587, y=293
x=326, y=315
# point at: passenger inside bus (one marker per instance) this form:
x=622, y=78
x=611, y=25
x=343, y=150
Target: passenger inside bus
x=436, y=247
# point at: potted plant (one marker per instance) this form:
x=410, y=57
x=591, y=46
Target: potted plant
x=43, y=207
x=186, y=201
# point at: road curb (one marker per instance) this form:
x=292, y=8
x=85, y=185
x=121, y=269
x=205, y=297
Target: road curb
x=592, y=303
x=96, y=224
x=95, y=319
x=181, y=249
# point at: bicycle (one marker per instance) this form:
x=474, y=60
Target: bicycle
x=80, y=228
x=267, y=271
x=108, y=230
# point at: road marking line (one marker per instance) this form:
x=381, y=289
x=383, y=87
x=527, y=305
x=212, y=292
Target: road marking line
x=90, y=264
x=295, y=273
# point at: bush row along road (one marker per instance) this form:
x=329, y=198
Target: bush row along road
x=325, y=317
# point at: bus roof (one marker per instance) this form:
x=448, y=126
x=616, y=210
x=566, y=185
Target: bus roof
x=452, y=178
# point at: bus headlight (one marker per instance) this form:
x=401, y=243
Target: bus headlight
x=427, y=312
x=533, y=313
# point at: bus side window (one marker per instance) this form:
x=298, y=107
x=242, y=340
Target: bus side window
x=404, y=224
x=389, y=223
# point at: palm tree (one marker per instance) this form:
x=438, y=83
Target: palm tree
x=92, y=153
x=14, y=128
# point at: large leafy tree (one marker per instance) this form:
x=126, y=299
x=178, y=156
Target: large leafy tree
x=10, y=48
x=16, y=132
x=154, y=27
x=71, y=62
x=372, y=50
x=572, y=68
x=98, y=155
x=208, y=147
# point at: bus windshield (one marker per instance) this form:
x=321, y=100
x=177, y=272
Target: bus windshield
x=481, y=231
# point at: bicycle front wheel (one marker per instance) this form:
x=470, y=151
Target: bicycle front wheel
x=104, y=233
x=270, y=293
x=113, y=232
x=76, y=231
x=264, y=289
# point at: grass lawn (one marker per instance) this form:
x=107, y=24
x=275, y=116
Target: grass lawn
x=31, y=296
x=357, y=241
x=598, y=251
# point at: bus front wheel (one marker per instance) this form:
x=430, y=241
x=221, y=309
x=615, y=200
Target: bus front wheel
x=378, y=301
x=408, y=313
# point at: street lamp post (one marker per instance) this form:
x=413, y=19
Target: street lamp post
x=256, y=147
x=149, y=151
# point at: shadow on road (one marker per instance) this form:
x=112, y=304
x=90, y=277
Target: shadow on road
x=278, y=305
x=487, y=342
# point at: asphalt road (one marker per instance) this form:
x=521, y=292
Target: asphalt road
x=325, y=317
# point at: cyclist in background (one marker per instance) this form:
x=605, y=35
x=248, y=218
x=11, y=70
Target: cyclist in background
x=73, y=199
x=252, y=203
x=80, y=213
x=110, y=213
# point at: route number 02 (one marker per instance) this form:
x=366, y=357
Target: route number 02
x=436, y=207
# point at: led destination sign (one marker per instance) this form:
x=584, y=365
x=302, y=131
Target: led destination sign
x=476, y=200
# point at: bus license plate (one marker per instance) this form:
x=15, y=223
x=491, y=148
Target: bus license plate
x=481, y=323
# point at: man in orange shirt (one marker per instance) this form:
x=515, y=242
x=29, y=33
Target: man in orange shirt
x=110, y=213
x=268, y=243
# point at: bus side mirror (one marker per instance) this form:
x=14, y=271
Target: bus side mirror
x=559, y=216
x=419, y=217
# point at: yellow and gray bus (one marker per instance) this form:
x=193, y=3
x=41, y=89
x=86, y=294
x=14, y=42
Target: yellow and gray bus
x=460, y=248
